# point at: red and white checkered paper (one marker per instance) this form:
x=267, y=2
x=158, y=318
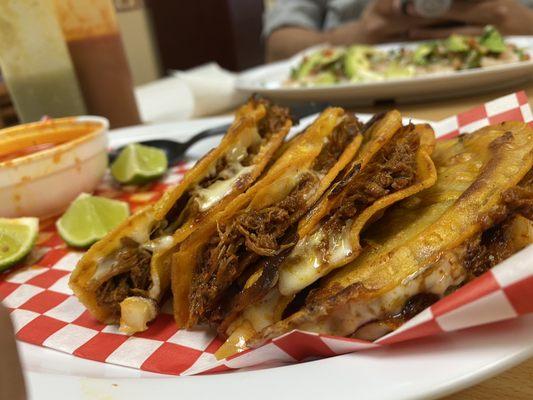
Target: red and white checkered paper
x=45, y=312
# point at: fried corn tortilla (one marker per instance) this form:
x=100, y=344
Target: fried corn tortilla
x=259, y=225
x=388, y=169
x=476, y=215
x=122, y=278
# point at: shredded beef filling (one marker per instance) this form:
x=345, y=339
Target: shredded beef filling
x=520, y=198
x=486, y=251
x=186, y=208
x=251, y=235
x=483, y=252
x=343, y=134
x=135, y=281
x=274, y=119
x=415, y=305
x=236, y=299
x=221, y=165
x=495, y=244
x=391, y=170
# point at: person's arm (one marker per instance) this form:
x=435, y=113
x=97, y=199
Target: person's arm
x=510, y=17
x=286, y=41
x=11, y=379
x=382, y=20
x=292, y=25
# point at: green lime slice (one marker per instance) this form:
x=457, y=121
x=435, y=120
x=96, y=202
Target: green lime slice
x=89, y=218
x=138, y=164
x=17, y=238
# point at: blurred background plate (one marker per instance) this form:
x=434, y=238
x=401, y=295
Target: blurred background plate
x=268, y=81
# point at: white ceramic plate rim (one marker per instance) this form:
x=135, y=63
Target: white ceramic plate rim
x=489, y=350
x=425, y=369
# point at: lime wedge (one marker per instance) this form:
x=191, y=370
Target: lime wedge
x=89, y=218
x=138, y=164
x=17, y=238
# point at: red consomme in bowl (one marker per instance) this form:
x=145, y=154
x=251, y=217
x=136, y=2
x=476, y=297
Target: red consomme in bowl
x=52, y=161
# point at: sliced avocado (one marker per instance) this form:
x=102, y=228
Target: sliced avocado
x=316, y=61
x=330, y=55
x=492, y=40
x=294, y=72
x=522, y=55
x=325, y=78
x=473, y=59
x=422, y=53
x=457, y=43
x=396, y=70
x=356, y=60
x=367, y=75
x=306, y=66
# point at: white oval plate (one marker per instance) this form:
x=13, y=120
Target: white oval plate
x=267, y=80
x=421, y=369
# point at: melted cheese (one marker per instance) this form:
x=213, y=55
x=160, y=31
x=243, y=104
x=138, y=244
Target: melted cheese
x=308, y=262
x=103, y=269
x=264, y=313
x=253, y=319
x=340, y=246
x=207, y=197
x=135, y=313
x=301, y=267
x=160, y=244
x=106, y=265
x=141, y=235
x=435, y=278
x=237, y=342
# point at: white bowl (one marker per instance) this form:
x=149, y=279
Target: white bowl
x=44, y=183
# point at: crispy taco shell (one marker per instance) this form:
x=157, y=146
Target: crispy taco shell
x=259, y=224
x=475, y=216
x=123, y=277
x=391, y=166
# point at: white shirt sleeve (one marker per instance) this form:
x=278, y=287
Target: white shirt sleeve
x=304, y=13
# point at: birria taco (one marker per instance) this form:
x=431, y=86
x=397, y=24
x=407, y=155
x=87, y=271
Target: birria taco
x=122, y=278
x=259, y=226
x=477, y=214
x=387, y=169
